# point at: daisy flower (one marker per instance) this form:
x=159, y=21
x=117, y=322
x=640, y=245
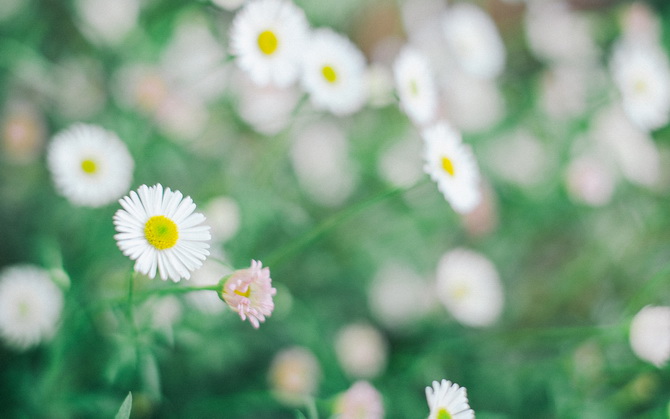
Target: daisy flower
x=334, y=73
x=90, y=165
x=448, y=400
x=160, y=232
x=473, y=40
x=415, y=85
x=650, y=334
x=361, y=350
x=469, y=287
x=267, y=39
x=30, y=306
x=249, y=292
x=642, y=73
x=452, y=166
x=361, y=401
x=294, y=375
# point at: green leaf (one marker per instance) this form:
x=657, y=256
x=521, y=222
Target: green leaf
x=124, y=410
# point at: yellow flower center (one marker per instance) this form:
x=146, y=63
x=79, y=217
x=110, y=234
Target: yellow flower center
x=161, y=232
x=460, y=292
x=640, y=86
x=89, y=166
x=329, y=74
x=245, y=293
x=443, y=414
x=448, y=165
x=267, y=42
x=413, y=88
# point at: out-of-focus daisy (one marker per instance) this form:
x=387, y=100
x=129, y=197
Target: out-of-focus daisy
x=415, y=85
x=90, y=165
x=223, y=214
x=650, y=334
x=249, y=292
x=469, y=287
x=30, y=306
x=472, y=104
x=107, y=21
x=448, y=400
x=558, y=34
x=267, y=38
x=519, y=157
x=23, y=133
x=451, y=164
x=320, y=158
x=473, y=40
x=398, y=297
x=642, y=73
x=334, y=73
x=641, y=23
x=360, y=401
x=400, y=164
x=294, y=375
x=590, y=180
x=361, y=350
x=563, y=91
x=158, y=230
x=632, y=148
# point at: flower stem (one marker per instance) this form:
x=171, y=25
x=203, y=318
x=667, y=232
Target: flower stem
x=284, y=253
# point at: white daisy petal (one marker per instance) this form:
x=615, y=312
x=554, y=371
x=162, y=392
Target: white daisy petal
x=159, y=230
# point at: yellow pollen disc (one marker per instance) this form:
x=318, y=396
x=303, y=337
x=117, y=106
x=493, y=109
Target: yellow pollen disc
x=161, y=232
x=448, y=166
x=460, y=292
x=245, y=293
x=443, y=414
x=329, y=74
x=89, y=166
x=267, y=42
x=413, y=88
x=640, y=86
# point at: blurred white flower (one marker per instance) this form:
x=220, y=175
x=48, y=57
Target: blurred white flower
x=557, y=34
x=107, y=22
x=23, y=131
x=650, y=334
x=400, y=164
x=90, y=166
x=415, y=85
x=229, y=4
x=158, y=230
x=451, y=164
x=319, y=155
x=360, y=401
x=294, y=375
x=519, y=157
x=379, y=82
x=334, y=73
x=249, y=293
x=448, y=400
x=633, y=149
x=398, y=297
x=361, y=350
x=140, y=86
x=30, y=306
x=640, y=23
x=223, y=215
x=469, y=287
x=473, y=40
x=267, y=38
x=182, y=116
x=590, y=180
x=642, y=73
x=563, y=91
x=268, y=109
x=472, y=104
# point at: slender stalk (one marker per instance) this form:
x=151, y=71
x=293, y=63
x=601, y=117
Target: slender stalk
x=285, y=252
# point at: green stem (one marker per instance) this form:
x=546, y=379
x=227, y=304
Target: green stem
x=282, y=254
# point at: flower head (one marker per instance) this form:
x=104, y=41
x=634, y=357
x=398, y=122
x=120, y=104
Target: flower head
x=650, y=334
x=267, y=38
x=361, y=401
x=469, y=287
x=30, y=306
x=160, y=232
x=90, y=165
x=448, y=400
x=334, y=73
x=416, y=86
x=451, y=164
x=249, y=292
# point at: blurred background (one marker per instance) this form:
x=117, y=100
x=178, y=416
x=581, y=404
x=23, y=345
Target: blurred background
x=569, y=242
